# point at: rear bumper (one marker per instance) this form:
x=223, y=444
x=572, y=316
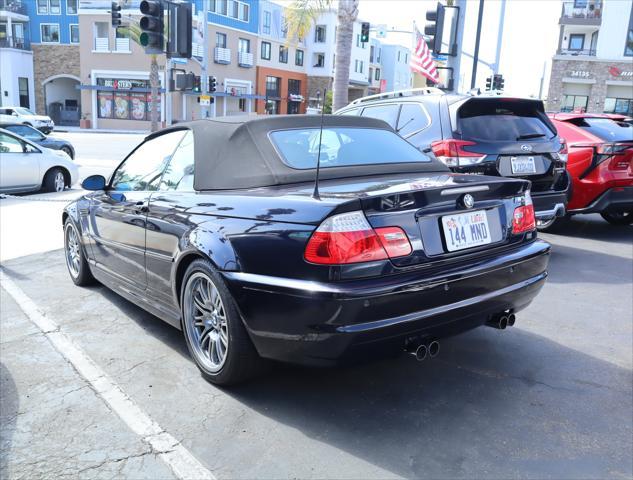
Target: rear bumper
x=551, y=203
x=322, y=324
x=618, y=199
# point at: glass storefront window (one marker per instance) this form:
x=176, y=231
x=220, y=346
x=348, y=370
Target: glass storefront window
x=122, y=103
x=574, y=103
x=623, y=106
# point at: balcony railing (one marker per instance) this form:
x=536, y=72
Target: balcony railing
x=581, y=11
x=591, y=52
x=222, y=55
x=14, y=6
x=102, y=44
x=197, y=50
x=245, y=59
x=122, y=44
x=15, y=42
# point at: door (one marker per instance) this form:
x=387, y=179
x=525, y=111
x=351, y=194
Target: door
x=19, y=163
x=119, y=214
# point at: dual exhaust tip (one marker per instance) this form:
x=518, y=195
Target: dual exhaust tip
x=423, y=350
x=502, y=321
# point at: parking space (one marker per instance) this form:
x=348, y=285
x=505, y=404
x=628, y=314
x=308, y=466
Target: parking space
x=548, y=398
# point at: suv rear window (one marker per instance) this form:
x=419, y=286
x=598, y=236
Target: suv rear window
x=606, y=129
x=343, y=147
x=502, y=121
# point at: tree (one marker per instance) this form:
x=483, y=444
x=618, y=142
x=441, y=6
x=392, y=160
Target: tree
x=302, y=14
x=133, y=32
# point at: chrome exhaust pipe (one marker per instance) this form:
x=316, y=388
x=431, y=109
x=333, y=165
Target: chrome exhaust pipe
x=500, y=322
x=434, y=348
x=418, y=350
x=511, y=319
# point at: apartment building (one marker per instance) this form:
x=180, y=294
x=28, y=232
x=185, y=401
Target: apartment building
x=16, y=82
x=320, y=58
x=592, y=70
x=396, y=72
x=374, y=74
x=281, y=65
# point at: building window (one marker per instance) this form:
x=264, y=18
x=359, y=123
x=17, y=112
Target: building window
x=623, y=106
x=294, y=86
x=42, y=7
x=628, y=47
x=319, y=60
x=284, y=27
x=319, y=34
x=121, y=103
x=378, y=55
x=266, y=50
x=377, y=77
x=49, y=32
x=244, y=45
x=372, y=51
x=55, y=7
x=101, y=32
x=371, y=74
x=241, y=104
x=398, y=55
x=122, y=40
x=272, y=107
x=220, y=40
x=71, y=7
x=283, y=54
x=23, y=87
x=358, y=39
x=299, y=58
x=74, y=33
x=406, y=58
x=273, y=87
x=576, y=41
x=574, y=103
x=231, y=8
x=266, y=24
x=362, y=67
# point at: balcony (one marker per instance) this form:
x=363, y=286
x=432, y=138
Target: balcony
x=122, y=45
x=222, y=55
x=591, y=52
x=15, y=42
x=579, y=12
x=102, y=44
x=245, y=59
x=13, y=6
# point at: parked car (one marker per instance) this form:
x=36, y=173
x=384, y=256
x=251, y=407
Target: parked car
x=26, y=166
x=26, y=117
x=38, y=137
x=600, y=164
x=484, y=135
x=220, y=228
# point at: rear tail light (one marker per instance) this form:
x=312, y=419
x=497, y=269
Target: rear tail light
x=563, y=153
x=523, y=219
x=348, y=238
x=451, y=153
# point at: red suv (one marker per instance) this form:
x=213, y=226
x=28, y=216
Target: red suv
x=600, y=164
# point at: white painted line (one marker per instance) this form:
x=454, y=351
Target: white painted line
x=181, y=462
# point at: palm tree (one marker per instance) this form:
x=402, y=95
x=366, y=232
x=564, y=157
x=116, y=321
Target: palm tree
x=302, y=14
x=133, y=31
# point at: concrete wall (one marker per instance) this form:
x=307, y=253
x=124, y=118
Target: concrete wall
x=21, y=63
x=616, y=16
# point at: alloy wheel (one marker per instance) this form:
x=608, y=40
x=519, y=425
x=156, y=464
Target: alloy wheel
x=205, y=322
x=73, y=254
x=60, y=182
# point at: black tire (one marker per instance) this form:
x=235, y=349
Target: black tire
x=618, y=218
x=52, y=179
x=68, y=152
x=79, y=272
x=241, y=361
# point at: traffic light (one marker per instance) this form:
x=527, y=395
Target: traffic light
x=152, y=26
x=489, y=83
x=498, y=82
x=434, y=28
x=213, y=84
x=364, y=32
x=180, y=30
x=115, y=13
x=196, y=87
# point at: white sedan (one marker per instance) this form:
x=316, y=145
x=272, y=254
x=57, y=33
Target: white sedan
x=27, y=167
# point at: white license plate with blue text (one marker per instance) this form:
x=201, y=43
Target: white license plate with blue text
x=522, y=165
x=466, y=230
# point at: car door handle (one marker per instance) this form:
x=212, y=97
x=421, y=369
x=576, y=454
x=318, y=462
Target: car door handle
x=141, y=207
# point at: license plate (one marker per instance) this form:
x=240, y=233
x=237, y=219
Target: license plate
x=466, y=230
x=522, y=165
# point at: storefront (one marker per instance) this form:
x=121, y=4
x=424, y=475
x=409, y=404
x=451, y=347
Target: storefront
x=280, y=91
x=592, y=86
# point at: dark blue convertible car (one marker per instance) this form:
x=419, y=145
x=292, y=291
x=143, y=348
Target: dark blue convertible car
x=220, y=228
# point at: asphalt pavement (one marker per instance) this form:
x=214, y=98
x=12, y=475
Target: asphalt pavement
x=551, y=397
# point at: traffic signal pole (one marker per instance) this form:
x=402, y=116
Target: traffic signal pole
x=204, y=78
x=473, y=78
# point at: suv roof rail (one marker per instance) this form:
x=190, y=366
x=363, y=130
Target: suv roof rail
x=399, y=93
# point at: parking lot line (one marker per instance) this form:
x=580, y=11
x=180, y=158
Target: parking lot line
x=182, y=463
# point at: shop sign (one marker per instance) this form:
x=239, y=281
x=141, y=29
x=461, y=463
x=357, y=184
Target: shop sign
x=295, y=98
x=616, y=72
x=205, y=100
x=580, y=74
x=122, y=84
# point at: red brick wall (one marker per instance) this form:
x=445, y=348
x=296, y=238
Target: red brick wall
x=284, y=75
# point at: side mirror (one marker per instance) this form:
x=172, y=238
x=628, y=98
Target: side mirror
x=94, y=183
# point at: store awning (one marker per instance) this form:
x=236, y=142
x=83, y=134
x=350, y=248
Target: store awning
x=103, y=88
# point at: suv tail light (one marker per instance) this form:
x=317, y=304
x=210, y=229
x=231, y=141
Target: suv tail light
x=523, y=219
x=617, y=152
x=348, y=238
x=451, y=152
x=563, y=153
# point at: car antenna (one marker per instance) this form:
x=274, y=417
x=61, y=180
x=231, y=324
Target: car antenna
x=315, y=194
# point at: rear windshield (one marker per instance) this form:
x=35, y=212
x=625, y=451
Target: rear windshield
x=502, y=121
x=341, y=147
x=606, y=129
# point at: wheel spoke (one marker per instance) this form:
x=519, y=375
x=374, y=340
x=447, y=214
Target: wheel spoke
x=199, y=304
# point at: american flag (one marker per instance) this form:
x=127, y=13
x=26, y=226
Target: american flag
x=422, y=61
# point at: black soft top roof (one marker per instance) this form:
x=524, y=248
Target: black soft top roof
x=236, y=152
